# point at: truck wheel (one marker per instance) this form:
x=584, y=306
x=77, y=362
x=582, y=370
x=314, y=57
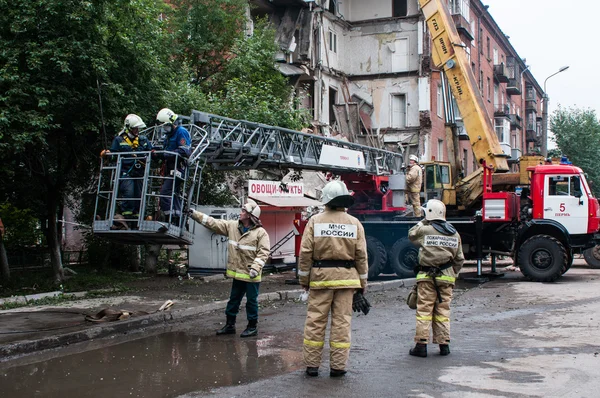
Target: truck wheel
x=543, y=258
x=592, y=257
x=376, y=256
x=404, y=258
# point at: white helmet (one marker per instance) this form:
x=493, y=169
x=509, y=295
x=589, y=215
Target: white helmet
x=252, y=208
x=435, y=210
x=336, y=194
x=133, y=121
x=414, y=157
x=166, y=116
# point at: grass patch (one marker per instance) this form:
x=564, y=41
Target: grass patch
x=55, y=300
x=27, y=282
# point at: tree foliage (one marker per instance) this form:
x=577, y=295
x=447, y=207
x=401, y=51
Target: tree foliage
x=204, y=32
x=61, y=60
x=577, y=132
x=54, y=55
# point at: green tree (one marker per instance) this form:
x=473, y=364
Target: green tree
x=252, y=89
x=577, y=132
x=204, y=33
x=55, y=55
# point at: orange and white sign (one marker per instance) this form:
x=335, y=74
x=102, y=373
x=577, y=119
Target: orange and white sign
x=334, y=156
x=275, y=189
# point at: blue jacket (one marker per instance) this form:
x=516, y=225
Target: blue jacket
x=179, y=142
x=122, y=143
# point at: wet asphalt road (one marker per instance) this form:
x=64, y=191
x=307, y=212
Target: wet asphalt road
x=509, y=338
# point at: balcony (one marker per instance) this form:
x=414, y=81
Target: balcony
x=531, y=132
x=462, y=26
x=501, y=110
x=500, y=73
x=531, y=105
x=515, y=121
x=515, y=154
x=513, y=87
x=513, y=70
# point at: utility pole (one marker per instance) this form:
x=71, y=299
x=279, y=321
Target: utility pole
x=544, y=146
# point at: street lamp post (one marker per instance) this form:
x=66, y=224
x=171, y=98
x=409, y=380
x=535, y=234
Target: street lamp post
x=544, y=147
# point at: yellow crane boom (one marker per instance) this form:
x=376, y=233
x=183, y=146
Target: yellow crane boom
x=450, y=56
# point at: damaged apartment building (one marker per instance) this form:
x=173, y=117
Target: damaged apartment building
x=364, y=70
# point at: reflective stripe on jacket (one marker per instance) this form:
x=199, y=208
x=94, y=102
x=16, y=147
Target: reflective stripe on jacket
x=436, y=250
x=245, y=250
x=333, y=235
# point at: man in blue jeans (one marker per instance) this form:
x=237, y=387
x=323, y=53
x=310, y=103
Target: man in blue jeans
x=249, y=249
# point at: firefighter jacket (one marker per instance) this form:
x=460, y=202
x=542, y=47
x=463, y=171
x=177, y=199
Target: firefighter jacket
x=439, y=245
x=123, y=143
x=246, y=250
x=414, y=178
x=179, y=142
x=333, y=235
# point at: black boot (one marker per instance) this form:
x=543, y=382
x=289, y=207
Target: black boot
x=336, y=373
x=312, y=371
x=444, y=349
x=251, y=330
x=229, y=327
x=420, y=350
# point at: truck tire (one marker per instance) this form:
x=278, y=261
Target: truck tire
x=376, y=256
x=592, y=257
x=404, y=258
x=543, y=258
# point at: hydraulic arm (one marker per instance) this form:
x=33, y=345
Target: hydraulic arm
x=450, y=56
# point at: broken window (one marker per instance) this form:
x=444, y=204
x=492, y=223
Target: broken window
x=333, y=7
x=332, y=41
x=398, y=111
x=399, y=8
x=400, y=55
x=332, y=102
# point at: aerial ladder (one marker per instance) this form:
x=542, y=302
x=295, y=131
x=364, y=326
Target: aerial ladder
x=224, y=144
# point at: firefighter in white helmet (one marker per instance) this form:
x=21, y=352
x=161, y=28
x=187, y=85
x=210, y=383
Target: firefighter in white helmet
x=177, y=146
x=440, y=261
x=332, y=266
x=249, y=249
x=133, y=166
x=414, y=179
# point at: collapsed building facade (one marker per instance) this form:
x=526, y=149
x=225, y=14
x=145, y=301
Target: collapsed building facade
x=364, y=72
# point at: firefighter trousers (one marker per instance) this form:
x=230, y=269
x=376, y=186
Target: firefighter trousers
x=414, y=199
x=320, y=303
x=431, y=314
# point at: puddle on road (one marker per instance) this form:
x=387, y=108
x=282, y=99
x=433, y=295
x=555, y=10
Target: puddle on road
x=165, y=365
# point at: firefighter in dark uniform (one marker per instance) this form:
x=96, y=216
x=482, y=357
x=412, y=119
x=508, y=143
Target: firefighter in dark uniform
x=440, y=261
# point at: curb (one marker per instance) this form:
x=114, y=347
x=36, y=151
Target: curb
x=124, y=327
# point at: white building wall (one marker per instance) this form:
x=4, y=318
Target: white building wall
x=382, y=48
x=360, y=10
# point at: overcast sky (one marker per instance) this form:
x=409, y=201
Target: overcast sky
x=552, y=34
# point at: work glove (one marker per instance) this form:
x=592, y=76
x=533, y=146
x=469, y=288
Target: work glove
x=360, y=303
x=253, y=273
